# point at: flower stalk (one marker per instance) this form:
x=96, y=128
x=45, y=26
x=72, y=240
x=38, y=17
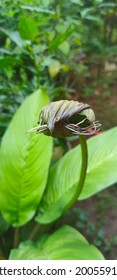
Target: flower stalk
x=84, y=163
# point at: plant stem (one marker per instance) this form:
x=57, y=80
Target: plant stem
x=35, y=231
x=38, y=230
x=84, y=163
x=16, y=238
x=84, y=151
x=2, y=257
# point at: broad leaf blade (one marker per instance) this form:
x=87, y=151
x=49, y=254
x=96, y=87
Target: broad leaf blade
x=65, y=244
x=24, y=163
x=29, y=252
x=102, y=167
x=27, y=28
x=60, y=187
x=64, y=175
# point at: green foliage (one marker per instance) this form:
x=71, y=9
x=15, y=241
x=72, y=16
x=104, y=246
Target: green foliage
x=54, y=45
x=22, y=177
x=76, y=36
x=53, y=247
x=24, y=166
x=27, y=28
x=62, y=183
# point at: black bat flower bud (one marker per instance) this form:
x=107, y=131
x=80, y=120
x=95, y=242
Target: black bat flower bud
x=66, y=118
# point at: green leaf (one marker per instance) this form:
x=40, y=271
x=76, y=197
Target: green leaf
x=46, y=3
x=96, y=2
x=93, y=18
x=79, y=2
x=61, y=28
x=15, y=37
x=64, y=175
x=60, y=39
x=28, y=28
x=64, y=47
x=102, y=167
x=54, y=68
x=87, y=11
x=24, y=163
x=37, y=9
x=5, y=51
x=65, y=244
x=9, y=61
x=108, y=5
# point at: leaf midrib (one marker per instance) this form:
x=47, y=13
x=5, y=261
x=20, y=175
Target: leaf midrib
x=21, y=185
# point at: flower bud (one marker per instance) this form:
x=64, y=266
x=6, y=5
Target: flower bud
x=66, y=118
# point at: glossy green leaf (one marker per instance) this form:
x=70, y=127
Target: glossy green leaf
x=64, y=175
x=24, y=162
x=28, y=28
x=65, y=244
x=102, y=167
